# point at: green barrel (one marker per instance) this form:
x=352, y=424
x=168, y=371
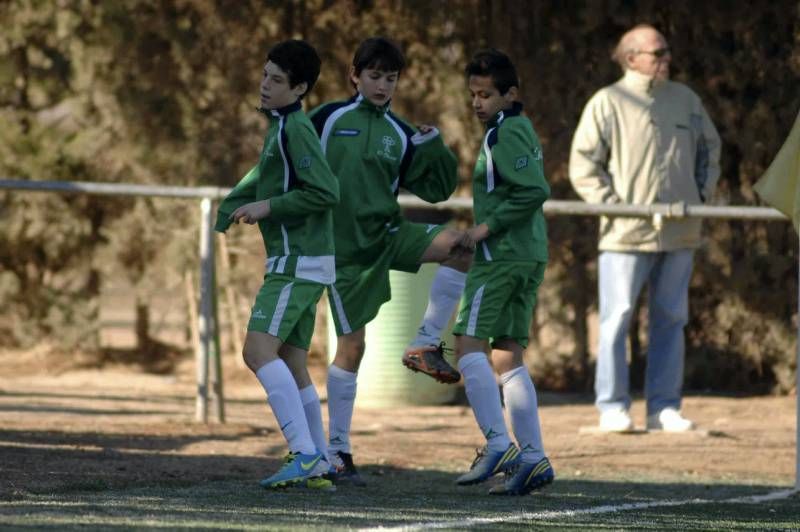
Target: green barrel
x=383, y=380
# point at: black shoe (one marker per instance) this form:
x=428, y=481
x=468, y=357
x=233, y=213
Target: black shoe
x=346, y=472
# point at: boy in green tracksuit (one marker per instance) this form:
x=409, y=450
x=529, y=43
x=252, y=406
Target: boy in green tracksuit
x=510, y=240
x=374, y=153
x=290, y=194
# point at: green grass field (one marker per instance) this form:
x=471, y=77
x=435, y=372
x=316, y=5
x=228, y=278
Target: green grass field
x=407, y=499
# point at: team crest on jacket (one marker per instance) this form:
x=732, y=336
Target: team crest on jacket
x=304, y=163
x=268, y=149
x=388, y=142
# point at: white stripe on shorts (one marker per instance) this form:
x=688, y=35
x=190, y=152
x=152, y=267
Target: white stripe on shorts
x=475, y=308
x=280, y=310
x=337, y=301
x=281, y=268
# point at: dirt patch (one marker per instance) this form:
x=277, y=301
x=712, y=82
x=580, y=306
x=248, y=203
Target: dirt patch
x=63, y=429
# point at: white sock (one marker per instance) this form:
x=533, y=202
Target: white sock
x=341, y=398
x=284, y=398
x=446, y=290
x=310, y=400
x=484, y=397
x=520, y=397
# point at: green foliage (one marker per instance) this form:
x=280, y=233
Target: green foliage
x=163, y=91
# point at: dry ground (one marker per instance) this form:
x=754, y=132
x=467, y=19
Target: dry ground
x=118, y=427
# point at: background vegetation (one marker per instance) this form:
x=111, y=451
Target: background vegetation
x=162, y=91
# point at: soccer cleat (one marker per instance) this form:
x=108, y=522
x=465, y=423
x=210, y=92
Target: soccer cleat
x=488, y=463
x=343, y=470
x=525, y=478
x=320, y=483
x=669, y=420
x=296, y=468
x=429, y=359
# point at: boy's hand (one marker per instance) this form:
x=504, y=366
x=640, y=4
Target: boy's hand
x=251, y=212
x=425, y=129
x=474, y=235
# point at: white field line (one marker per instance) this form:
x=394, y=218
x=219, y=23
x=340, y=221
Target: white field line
x=604, y=509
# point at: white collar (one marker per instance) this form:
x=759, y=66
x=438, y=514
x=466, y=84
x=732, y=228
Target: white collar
x=640, y=82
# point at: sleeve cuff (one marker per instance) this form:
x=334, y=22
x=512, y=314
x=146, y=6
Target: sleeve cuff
x=223, y=222
x=418, y=138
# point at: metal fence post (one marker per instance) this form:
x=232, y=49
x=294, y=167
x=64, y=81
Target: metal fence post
x=206, y=309
x=217, y=395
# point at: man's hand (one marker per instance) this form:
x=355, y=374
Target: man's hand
x=251, y=212
x=474, y=235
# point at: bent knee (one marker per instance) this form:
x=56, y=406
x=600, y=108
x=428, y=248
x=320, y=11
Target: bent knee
x=349, y=352
x=259, y=350
x=460, y=259
x=619, y=315
x=252, y=357
x=670, y=317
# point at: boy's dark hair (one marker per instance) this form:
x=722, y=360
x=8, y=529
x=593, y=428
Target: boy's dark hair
x=379, y=53
x=299, y=60
x=494, y=63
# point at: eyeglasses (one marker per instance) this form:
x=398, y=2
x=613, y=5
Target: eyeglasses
x=658, y=53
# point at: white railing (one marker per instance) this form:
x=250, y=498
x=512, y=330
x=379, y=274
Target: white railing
x=207, y=319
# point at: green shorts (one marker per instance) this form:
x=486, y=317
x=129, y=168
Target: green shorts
x=285, y=307
x=498, y=300
x=361, y=289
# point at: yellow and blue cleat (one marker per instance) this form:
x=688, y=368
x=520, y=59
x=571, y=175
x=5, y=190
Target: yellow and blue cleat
x=525, y=478
x=489, y=463
x=320, y=483
x=298, y=469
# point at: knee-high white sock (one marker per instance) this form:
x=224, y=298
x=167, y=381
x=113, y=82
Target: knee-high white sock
x=310, y=399
x=446, y=290
x=284, y=399
x=341, y=398
x=484, y=398
x=520, y=397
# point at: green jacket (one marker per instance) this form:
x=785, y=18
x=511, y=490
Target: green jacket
x=509, y=189
x=294, y=175
x=373, y=154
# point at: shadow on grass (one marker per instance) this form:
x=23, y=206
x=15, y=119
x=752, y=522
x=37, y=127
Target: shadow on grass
x=40, y=462
x=123, y=442
x=399, y=497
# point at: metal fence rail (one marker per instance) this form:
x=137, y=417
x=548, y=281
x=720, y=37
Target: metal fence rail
x=208, y=321
x=674, y=210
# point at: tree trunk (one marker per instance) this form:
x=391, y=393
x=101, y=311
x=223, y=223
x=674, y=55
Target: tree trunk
x=143, y=341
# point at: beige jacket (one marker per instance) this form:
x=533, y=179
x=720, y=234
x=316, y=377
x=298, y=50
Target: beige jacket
x=644, y=142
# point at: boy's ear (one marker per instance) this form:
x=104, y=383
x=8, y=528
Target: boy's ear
x=511, y=94
x=300, y=89
x=352, y=75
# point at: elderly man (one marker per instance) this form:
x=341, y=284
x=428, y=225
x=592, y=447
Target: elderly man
x=643, y=140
